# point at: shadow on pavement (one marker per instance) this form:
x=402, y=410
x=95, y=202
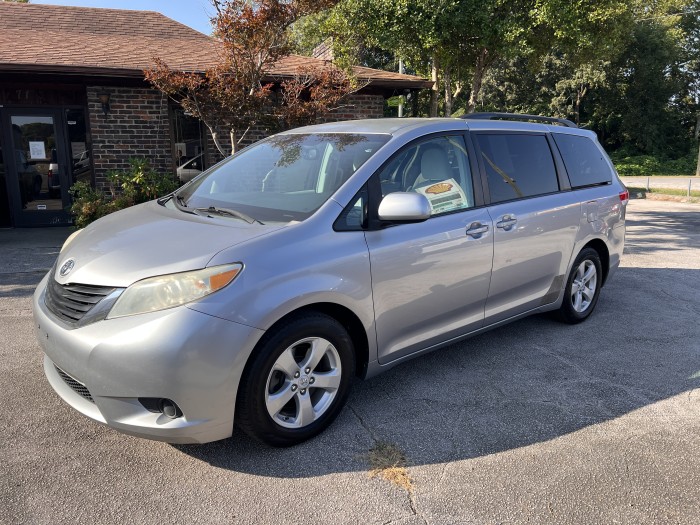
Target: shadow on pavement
x=20, y=284
x=680, y=230
x=529, y=382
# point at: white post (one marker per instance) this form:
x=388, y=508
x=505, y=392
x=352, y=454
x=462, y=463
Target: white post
x=690, y=182
x=647, y=183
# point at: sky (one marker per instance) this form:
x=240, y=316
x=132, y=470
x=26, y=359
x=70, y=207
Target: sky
x=193, y=13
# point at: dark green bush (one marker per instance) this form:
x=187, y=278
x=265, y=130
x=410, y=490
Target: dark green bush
x=126, y=188
x=647, y=165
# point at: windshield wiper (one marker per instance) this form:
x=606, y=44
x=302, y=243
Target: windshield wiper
x=226, y=212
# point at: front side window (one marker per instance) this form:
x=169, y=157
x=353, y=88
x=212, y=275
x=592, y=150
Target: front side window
x=517, y=165
x=437, y=168
x=285, y=177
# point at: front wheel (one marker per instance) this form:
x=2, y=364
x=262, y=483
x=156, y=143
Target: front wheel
x=297, y=382
x=582, y=287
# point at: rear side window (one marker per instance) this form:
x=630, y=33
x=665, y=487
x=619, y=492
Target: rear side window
x=583, y=160
x=517, y=165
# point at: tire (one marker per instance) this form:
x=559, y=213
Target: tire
x=582, y=288
x=278, y=403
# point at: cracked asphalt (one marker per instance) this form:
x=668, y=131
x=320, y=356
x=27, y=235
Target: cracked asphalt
x=536, y=422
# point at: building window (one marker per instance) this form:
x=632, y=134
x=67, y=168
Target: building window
x=80, y=149
x=188, y=144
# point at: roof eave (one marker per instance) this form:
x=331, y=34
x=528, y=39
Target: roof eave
x=106, y=72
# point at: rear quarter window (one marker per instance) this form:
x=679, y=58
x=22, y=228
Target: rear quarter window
x=584, y=161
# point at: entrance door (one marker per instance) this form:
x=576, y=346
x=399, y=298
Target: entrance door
x=35, y=167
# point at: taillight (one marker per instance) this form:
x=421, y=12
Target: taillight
x=49, y=175
x=624, y=196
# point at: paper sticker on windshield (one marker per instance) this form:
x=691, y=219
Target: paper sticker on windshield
x=444, y=196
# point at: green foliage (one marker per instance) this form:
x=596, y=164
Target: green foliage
x=647, y=165
x=139, y=184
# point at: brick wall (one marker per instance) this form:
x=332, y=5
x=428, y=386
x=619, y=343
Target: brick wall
x=357, y=106
x=136, y=126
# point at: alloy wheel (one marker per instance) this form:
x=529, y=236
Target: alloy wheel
x=303, y=382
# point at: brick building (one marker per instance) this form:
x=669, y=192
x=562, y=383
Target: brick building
x=74, y=104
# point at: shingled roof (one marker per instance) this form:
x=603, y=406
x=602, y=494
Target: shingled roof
x=122, y=43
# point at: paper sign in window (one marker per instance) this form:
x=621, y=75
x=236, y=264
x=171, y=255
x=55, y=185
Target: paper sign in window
x=444, y=196
x=37, y=150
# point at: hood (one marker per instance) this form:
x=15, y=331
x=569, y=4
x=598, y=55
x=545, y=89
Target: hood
x=147, y=240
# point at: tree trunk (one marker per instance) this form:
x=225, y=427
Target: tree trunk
x=414, y=102
x=234, y=142
x=217, y=142
x=401, y=97
x=478, y=78
x=435, y=91
x=697, y=136
x=447, y=81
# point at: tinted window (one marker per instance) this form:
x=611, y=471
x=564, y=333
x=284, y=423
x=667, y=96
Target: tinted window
x=437, y=168
x=583, y=160
x=517, y=166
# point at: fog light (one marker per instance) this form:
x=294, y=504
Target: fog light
x=160, y=405
x=170, y=409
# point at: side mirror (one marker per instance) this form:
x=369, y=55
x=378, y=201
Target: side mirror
x=404, y=207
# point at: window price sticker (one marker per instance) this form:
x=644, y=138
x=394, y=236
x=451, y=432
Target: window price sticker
x=444, y=196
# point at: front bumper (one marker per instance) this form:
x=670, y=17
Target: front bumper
x=192, y=358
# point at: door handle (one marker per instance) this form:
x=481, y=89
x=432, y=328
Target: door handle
x=507, y=222
x=476, y=229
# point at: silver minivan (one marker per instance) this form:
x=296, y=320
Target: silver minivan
x=259, y=290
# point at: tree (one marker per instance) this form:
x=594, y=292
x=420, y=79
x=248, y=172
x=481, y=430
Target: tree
x=237, y=93
x=690, y=68
x=456, y=42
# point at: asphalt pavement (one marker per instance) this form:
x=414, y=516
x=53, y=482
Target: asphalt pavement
x=536, y=422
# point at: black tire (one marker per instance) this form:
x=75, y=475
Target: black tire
x=252, y=414
x=569, y=312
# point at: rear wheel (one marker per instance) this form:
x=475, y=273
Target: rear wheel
x=582, y=287
x=297, y=382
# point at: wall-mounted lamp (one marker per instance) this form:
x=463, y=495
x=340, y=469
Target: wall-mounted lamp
x=104, y=100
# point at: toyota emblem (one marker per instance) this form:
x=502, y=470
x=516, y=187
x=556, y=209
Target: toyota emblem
x=67, y=267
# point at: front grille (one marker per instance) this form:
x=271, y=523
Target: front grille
x=75, y=385
x=70, y=302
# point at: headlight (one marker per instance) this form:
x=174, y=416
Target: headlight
x=168, y=291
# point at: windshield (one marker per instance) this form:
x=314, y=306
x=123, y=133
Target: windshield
x=283, y=178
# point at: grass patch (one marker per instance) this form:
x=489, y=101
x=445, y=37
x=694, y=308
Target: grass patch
x=388, y=462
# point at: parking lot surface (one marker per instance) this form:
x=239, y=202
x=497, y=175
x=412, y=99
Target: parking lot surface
x=536, y=422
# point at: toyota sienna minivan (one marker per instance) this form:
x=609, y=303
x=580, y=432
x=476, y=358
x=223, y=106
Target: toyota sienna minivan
x=255, y=293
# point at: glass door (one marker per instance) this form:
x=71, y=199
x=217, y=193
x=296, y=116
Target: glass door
x=36, y=168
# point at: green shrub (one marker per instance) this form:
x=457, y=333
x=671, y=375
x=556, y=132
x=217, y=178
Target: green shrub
x=647, y=165
x=126, y=188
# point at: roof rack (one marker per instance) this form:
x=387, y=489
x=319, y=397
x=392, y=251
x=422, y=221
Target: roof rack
x=519, y=116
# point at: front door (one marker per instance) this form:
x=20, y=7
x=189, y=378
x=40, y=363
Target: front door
x=37, y=174
x=430, y=280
